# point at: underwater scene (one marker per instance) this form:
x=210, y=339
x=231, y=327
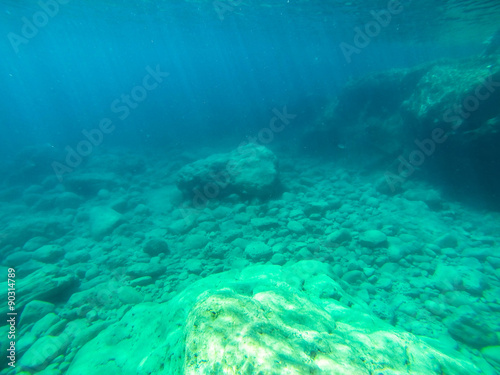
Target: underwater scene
x=250, y=187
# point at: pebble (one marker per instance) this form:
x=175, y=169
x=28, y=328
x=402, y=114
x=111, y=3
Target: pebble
x=258, y=251
x=373, y=239
x=296, y=227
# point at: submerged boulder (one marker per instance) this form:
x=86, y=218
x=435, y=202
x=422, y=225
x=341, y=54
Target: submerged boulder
x=458, y=96
x=262, y=320
x=48, y=284
x=441, y=118
x=250, y=170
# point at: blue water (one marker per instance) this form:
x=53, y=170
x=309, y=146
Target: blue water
x=104, y=103
x=225, y=75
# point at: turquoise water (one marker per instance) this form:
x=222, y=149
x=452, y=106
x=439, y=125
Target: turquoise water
x=235, y=187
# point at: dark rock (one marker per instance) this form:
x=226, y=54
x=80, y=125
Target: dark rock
x=472, y=331
x=250, y=170
x=156, y=246
x=89, y=184
x=49, y=284
x=397, y=120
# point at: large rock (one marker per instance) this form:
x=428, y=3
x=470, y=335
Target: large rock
x=262, y=320
x=455, y=94
x=43, y=351
x=88, y=184
x=103, y=220
x=397, y=121
x=258, y=251
x=282, y=332
x=18, y=232
x=365, y=117
x=492, y=355
x=250, y=170
x=373, y=238
x=34, y=310
x=47, y=284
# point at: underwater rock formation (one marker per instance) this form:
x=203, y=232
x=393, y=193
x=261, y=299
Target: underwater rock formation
x=261, y=320
x=493, y=44
x=250, y=170
x=398, y=119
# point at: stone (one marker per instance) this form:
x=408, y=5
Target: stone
x=35, y=243
x=222, y=212
x=195, y=241
x=47, y=284
x=339, y=237
x=494, y=261
x=492, y=355
x=68, y=199
x=43, y=351
x=258, y=251
x=145, y=269
x=18, y=258
x=447, y=240
x=263, y=223
x=20, y=231
x=354, y=277
x=250, y=170
x=373, y=239
x=430, y=197
x=471, y=330
x=474, y=281
x=156, y=246
x=256, y=322
x=480, y=253
x=382, y=310
x=89, y=184
x=35, y=310
x=396, y=250
x=255, y=341
x=216, y=250
x=426, y=98
x=129, y=295
x=48, y=253
x=142, y=281
x=44, y=324
x=296, y=227
x=75, y=257
x=318, y=207
x=181, y=226
x=25, y=342
x=323, y=286
x=435, y=308
x=446, y=278
x=103, y=220
x=278, y=259
x=194, y=266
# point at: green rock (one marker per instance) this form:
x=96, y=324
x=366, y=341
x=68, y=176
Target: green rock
x=195, y=241
x=492, y=355
x=263, y=223
x=156, y=246
x=129, y=295
x=339, y=237
x=43, y=351
x=447, y=240
x=44, y=324
x=296, y=227
x=373, y=238
x=194, y=266
x=48, y=253
x=262, y=320
x=35, y=310
x=103, y=220
x=258, y=251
